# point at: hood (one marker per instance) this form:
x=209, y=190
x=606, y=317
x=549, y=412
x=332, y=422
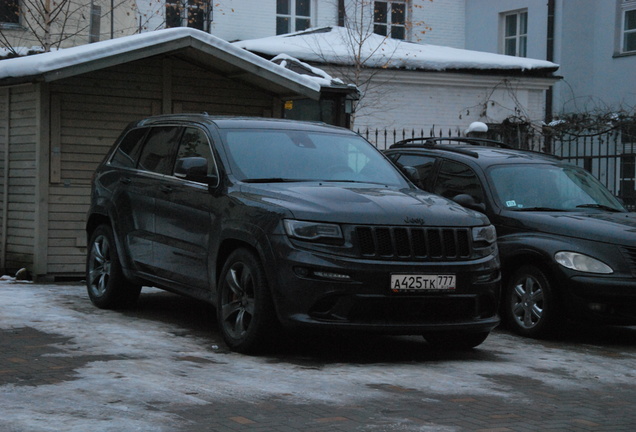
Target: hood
x=363, y=204
x=606, y=227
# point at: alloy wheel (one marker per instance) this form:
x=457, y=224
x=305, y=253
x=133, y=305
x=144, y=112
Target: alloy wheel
x=99, y=265
x=238, y=300
x=527, y=302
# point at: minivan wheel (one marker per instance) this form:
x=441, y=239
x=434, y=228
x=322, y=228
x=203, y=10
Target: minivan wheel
x=107, y=286
x=245, y=310
x=530, y=307
x=456, y=340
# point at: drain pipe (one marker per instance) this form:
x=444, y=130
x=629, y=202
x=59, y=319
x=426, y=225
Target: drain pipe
x=550, y=58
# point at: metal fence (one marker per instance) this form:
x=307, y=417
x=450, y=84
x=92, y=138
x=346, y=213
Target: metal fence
x=383, y=138
x=609, y=155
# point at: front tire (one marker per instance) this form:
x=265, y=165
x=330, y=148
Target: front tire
x=107, y=286
x=530, y=306
x=245, y=310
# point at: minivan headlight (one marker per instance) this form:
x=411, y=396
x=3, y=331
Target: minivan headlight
x=312, y=231
x=582, y=263
x=486, y=234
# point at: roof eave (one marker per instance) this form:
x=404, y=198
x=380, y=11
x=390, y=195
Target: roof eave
x=282, y=83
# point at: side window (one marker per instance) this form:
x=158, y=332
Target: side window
x=628, y=27
x=515, y=33
x=389, y=18
x=194, y=143
x=157, y=154
x=10, y=12
x=424, y=166
x=455, y=178
x=292, y=15
x=128, y=150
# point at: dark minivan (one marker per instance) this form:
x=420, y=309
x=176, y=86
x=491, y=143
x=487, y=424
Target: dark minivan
x=281, y=222
x=568, y=246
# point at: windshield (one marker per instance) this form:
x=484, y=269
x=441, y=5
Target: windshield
x=549, y=187
x=290, y=155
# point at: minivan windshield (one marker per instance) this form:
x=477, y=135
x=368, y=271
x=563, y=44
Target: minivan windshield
x=265, y=155
x=528, y=187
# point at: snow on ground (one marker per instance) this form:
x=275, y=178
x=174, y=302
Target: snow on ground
x=134, y=361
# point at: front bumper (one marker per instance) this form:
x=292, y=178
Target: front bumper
x=609, y=300
x=317, y=290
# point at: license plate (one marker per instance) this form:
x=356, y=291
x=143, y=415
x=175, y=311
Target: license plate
x=421, y=282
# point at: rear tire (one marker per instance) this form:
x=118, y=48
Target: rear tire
x=107, y=286
x=245, y=310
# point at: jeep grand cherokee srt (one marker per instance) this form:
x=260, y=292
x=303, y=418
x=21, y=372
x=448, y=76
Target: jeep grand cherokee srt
x=280, y=222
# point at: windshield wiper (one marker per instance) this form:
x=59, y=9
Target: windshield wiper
x=351, y=181
x=598, y=206
x=539, y=209
x=275, y=180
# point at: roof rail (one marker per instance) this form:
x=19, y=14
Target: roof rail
x=433, y=141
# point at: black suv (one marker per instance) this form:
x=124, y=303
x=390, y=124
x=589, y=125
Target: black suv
x=568, y=246
x=281, y=222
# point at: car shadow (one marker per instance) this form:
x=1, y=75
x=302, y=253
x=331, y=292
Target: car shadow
x=578, y=334
x=189, y=317
x=310, y=349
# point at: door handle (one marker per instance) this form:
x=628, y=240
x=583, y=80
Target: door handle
x=125, y=180
x=165, y=189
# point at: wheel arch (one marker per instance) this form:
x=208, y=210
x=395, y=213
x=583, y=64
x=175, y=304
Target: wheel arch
x=97, y=219
x=511, y=264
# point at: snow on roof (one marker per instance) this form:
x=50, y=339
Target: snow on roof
x=46, y=63
x=335, y=45
x=319, y=75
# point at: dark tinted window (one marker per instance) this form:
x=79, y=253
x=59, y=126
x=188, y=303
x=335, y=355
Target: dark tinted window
x=10, y=11
x=128, y=150
x=156, y=155
x=423, y=165
x=194, y=143
x=455, y=179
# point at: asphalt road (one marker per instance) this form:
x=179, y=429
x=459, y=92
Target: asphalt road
x=67, y=366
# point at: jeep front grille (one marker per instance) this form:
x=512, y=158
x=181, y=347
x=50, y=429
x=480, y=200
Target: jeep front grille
x=411, y=242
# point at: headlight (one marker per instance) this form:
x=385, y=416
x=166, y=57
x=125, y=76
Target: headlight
x=312, y=231
x=486, y=234
x=582, y=263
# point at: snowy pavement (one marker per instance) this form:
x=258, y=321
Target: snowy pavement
x=66, y=365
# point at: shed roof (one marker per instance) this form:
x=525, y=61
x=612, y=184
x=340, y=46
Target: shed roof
x=336, y=45
x=189, y=44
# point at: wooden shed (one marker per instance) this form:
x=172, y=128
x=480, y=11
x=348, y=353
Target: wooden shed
x=60, y=112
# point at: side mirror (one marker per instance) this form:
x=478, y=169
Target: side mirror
x=193, y=169
x=468, y=201
x=411, y=173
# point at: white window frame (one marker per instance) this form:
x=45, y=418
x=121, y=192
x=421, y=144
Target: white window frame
x=520, y=37
x=17, y=24
x=292, y=16
x=185, y=7
x=389, y=25
x=626, y=6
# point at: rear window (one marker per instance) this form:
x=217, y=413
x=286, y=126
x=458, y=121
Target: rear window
x=128, y=150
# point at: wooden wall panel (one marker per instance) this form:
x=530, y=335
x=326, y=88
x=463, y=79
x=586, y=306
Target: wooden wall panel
x=93, y=110
x=20, y=199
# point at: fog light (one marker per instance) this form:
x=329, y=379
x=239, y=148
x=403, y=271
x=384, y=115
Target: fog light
x=330, y=275
x=597, y=307
x=301, y=271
